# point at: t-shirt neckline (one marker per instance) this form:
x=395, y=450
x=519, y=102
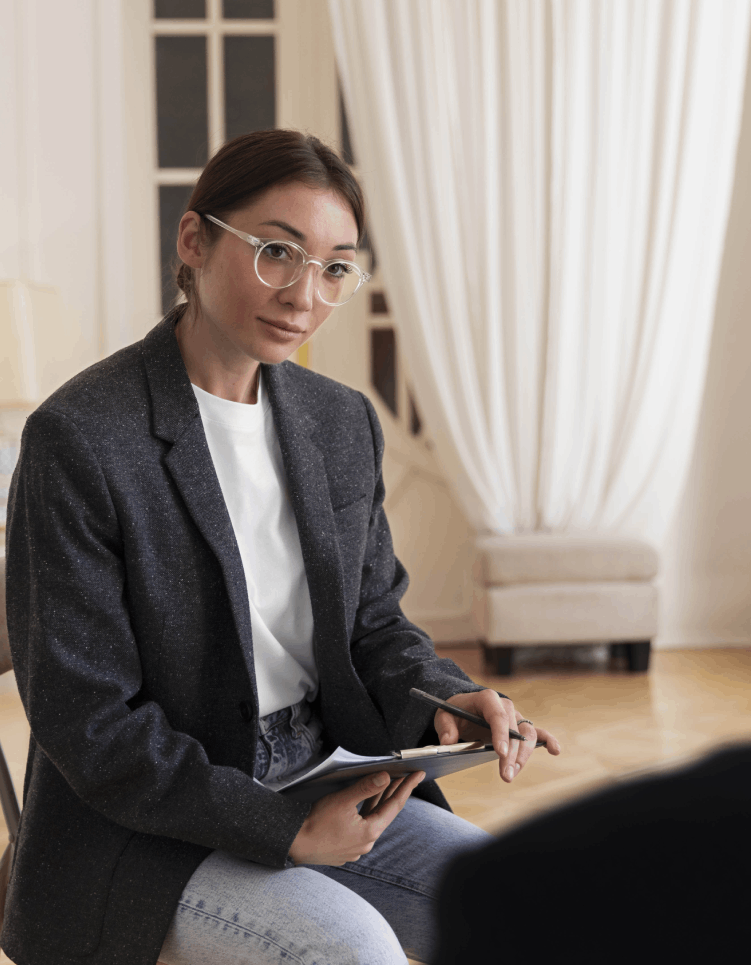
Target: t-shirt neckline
x=241, y=415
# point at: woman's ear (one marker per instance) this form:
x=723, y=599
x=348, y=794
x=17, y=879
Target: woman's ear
x=189, y=246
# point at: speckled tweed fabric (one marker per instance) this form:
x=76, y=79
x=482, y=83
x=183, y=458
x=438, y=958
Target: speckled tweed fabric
x=131, y=639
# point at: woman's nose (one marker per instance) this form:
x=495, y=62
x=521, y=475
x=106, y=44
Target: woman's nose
x=302, y=293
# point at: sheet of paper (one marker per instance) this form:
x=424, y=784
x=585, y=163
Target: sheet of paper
x=334, y=762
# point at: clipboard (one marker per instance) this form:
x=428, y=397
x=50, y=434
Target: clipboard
x=343, y=768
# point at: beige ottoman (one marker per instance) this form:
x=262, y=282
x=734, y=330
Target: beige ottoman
x=552, y=589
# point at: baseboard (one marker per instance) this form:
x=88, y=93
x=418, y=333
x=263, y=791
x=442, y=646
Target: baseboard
x=700, y=641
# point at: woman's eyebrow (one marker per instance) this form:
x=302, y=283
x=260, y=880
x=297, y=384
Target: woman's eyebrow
x=301, y=237
x=288, y=228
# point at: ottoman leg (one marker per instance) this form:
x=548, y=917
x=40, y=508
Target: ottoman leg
x=497, y=659
x=638, y=656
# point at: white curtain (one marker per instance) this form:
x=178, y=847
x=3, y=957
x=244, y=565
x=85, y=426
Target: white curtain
x=549, y=183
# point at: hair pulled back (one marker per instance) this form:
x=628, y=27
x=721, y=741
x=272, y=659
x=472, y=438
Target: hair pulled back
x=248, y=165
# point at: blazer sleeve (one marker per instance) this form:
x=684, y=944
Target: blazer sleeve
x=389, y=653
x=77, y=665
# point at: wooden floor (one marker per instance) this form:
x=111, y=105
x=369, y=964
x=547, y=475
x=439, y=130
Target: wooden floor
x=611, y=724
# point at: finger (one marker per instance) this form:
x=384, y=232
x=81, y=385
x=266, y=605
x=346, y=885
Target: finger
x=388, y=810
x=446, y=726
x=507, y=766
x=391, y=789
x=499, y=714
x=526, y=749
x=402, y=791
x=371, y=804
x=366, y=787
x=553, y=744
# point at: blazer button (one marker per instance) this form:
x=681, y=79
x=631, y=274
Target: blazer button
x=246, y=710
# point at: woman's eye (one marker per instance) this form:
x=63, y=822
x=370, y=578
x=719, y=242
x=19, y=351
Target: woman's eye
x=277, y=252
x=340, y=270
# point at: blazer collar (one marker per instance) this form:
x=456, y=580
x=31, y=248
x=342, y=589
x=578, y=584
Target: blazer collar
x=174, y=404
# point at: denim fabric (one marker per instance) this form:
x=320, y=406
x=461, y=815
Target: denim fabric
x=289, y=740
x=371, y=911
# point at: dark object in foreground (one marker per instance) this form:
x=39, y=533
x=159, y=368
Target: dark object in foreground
x=652, y=869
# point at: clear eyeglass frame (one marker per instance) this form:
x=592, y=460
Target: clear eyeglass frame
x=260, y=243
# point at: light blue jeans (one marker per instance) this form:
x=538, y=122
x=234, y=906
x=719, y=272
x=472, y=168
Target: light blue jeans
x=370, y=912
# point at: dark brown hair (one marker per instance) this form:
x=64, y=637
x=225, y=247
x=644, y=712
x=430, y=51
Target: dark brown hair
x=251, y=164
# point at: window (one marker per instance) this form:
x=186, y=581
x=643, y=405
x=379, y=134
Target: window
x=215, y=72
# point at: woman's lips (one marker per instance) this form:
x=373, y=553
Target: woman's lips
x=284, y=330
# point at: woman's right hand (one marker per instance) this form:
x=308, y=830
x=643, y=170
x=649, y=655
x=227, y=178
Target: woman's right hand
x=335, y=832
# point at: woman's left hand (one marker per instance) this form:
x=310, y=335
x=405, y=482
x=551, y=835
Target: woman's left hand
x=500, y=715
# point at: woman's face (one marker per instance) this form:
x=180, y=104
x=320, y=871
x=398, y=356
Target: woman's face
x=247, y=320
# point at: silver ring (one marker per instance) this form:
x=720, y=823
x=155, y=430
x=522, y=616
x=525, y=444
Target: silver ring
x=524, y=721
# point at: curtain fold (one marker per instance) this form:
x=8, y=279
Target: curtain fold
x=549, y=183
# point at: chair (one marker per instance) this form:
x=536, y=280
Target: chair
x=8, y=798
x=546, y=589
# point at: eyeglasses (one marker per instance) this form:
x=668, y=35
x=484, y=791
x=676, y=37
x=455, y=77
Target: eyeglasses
x=280, y=264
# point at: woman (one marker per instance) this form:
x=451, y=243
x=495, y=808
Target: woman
x=203, y=597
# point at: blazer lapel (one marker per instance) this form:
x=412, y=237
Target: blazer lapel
x=309, y=494
x=343, y=696
x=177, y=420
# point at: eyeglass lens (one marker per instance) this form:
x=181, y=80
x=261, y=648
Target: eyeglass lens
x=279, y=265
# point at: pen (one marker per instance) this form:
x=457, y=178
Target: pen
x=465, y=714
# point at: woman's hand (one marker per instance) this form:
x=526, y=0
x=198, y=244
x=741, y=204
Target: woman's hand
x=335, y=832
x=501, y=715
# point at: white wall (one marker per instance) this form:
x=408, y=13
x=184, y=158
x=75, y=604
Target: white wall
x=706, y=583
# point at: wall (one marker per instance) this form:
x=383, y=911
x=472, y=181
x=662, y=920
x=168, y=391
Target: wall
x=706, y=583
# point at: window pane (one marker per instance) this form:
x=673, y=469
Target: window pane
x=179, y=9
x=248, y=9
x=249, y=84
x=173, y=200
x=367, y=245
x=182, y=118
x=383, y=365
x=415, y=422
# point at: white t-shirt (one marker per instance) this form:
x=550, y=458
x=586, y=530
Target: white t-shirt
x=248, y=461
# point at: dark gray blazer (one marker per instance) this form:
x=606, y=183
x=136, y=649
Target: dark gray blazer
x=131, y=638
